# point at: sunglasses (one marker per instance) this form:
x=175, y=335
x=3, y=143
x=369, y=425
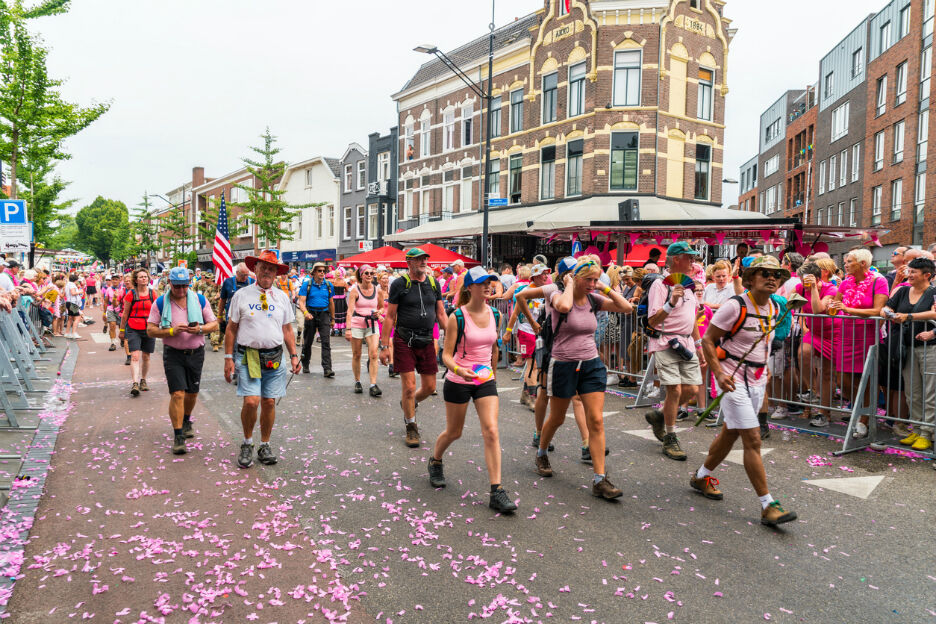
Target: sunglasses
x=263, y=301
x=319, y=270
x=180, y=285
x=767, y=274
x=368, y=274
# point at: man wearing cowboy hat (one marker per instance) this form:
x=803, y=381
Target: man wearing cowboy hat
x=260, y=324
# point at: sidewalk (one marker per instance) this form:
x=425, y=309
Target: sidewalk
x=127, y=532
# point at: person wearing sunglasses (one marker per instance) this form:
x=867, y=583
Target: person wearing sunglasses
x=364, y=301
x=317, y=305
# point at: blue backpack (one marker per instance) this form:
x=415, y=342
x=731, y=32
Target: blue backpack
x=159, y=301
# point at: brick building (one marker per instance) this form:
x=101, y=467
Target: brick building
x=799, y=189
x=609, y=100
x=771, y=159
x=243, y=236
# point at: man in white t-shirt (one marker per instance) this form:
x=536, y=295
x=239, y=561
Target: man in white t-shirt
x=259, y=325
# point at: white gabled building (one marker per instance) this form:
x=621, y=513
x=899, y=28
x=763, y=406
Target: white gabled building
x=315, y=229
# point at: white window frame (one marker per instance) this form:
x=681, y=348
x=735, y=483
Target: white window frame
x=857, y=62
x=580, y=158
x=841, y=214
x=853, y=212
x=885, y=36
x=922, y=135
x=903, y=23
x=319, y=222
x=361, y=175
x=466, y=201
x=467, y=115
x=576, y=106
x=360, y=229
x=832, y=171
x=425, y=137
x=372, y=222
x=348, y=178
x=829, y=84
x=876, y=198
x=900, y=129
x=879, y=151
x=881, y=96
x=819, y=216
x=843, y=168
x=627, y=72
x=563, y=9
x=840, y=121
x=495, y=114
x=448, y=130
x=547, y=170
x=409, y=139
x=516, y=111
x=425, y=201
x=550, y=110
x=901, y=83
x=383, y=166
x=926, y=70
x=309, y=176
x=822, y=172
x=896, y=199
x=856, y=159
x=348, y=228
x=331, y=221
x=705, y=96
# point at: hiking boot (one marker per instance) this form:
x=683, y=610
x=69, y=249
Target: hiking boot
x=774, y=514
x=536, y=440
x=245, y=458
x=265, y=454
x=764, y=431
x=178, y=445
x=819, y=421
x=143, y=385
x=358, y=388
x=135, y=389
x=436, y=474
x=127, y=363
x=706, y=486
x=525, y=398
x=655, y=418
x=682, y=414
x=390, y=371
x=672, y=449
x=375, y=391
x=412, y=435
x=305, y=369
x=586, y=454
x=328, y=373
x=501, y=503
x=543, y=468
x=606, y=490
x=188, y=430
x=113, y=347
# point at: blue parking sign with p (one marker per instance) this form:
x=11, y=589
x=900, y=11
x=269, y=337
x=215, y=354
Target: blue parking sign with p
x=13, y=212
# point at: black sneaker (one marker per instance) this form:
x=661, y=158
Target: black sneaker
x=305, y=369
x=436, y=474
x=245, y=458
x=188, y=430
x=536, y=439
x=682, y=414
x=501, y=503
x=764, y=431
x=586, y=454
x=127, y=363
x=265, y=454
x=113, y=347
x=178, y=445
x=358, y=388
x=390, y=371
x=329, y=373
x=375, y=391
x=135, y=389
x=655, y=418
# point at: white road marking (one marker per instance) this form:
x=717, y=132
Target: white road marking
x=647, y=434
x=736, y=456
x=859, y=487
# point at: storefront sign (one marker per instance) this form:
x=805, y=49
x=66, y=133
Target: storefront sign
x=314, y=255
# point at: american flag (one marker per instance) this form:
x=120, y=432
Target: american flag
x=221, y=251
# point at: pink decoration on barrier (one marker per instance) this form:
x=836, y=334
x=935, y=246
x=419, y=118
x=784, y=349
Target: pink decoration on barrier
x=821, y=247
x=766, y=235
x=720, y=237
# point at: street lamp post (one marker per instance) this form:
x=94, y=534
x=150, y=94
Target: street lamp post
x=486, y=96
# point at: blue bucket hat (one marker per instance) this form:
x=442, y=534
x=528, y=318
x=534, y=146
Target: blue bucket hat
x=179, y=275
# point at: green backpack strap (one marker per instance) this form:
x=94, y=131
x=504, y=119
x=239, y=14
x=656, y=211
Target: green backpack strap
x=460, y=332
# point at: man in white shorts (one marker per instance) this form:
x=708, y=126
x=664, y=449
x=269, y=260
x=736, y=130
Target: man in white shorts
x=739, y=371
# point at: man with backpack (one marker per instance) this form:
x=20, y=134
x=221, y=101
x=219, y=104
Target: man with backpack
x=182, y=318
x=415, y=306
x=317, y=306
x=673, y=339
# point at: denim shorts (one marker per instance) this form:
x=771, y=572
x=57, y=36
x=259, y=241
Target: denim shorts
x=271, y=385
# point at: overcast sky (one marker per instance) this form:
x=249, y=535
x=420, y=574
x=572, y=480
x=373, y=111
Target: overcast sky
x=194, y=82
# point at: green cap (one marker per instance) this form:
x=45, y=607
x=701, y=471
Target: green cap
x=415, y=252
x=680, y=248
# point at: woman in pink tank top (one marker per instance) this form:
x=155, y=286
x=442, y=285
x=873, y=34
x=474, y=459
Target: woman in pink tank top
x=364, y=300
x=471, y=360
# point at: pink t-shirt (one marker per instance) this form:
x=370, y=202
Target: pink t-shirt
x=476, y=346
x=725, y=318
x=575, y=341
x=680, y=321
x=182, y=340
x=819, y=329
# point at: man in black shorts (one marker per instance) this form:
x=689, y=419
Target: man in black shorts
x=415, y=306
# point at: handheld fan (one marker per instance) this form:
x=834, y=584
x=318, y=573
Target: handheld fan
x=679, y=279
x=484, y=373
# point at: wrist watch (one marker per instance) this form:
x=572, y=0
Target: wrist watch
x=381, y=347
x=910, y=317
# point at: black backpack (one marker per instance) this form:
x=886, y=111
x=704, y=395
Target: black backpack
x=460, y=323
x=542, y=354
x=643, y=303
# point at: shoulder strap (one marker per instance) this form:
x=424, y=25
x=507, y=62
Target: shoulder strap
x=594, y=303
x=159, y=303
x=742, y=316
x=460, y=333
x=201, y=300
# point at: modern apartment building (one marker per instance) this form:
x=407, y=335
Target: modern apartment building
x=747, y=189
x=797, y=160
x=352, y=208
x=771, y=158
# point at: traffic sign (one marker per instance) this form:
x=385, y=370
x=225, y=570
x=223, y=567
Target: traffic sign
x=497, y=201
x=13, y=212
x=365, y=245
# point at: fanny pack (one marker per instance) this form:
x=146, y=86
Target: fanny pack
x=414, y=339
x=73, y=308
x=266, y=359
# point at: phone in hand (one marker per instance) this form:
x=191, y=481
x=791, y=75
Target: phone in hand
x=193, y=324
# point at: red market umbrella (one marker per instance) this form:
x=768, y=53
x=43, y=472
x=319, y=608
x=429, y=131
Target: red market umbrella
x=387, y=256
x=442, y=257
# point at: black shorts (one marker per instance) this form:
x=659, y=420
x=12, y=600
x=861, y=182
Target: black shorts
x=566, y=379
x=463, y=393
x=183, y=369
x=137, y=340
x=407, y=359
x=91, y=290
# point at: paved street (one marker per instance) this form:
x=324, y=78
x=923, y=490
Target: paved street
x=347, y=523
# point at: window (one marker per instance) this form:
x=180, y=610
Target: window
x=467, y=191
x=829, y=84
x=819, y=217
x=319, y=221
x=899, y=141
x=903, y=26
x=574, y=167
x=372, y=225
x=703, y=165
x=449, y=194
x=425, y=202
x=879, y=150
x=409, y=141
x=901, y=80
x=896, y=196
x=857, y=62
x=853, y=212
x=550, y=92
x=467, y=113
x=627, y=78
x=832, y=172
x=843, y=165
x=840, y=122
x=876, y=205
x=928, y=17
x=576, y=89
x=348, y=178
x=841, y=214
x=493, y=180
x=347, y=223
x=922, y=132
x=881, y=105
x=919, y=197
x=548, y=172
x=448, y=130
x=856, y=157
x=516, y=110
x=771, y=204
x=624, y=158
x=773, y=131
x=331, y=221
x=563, y=7
x=771, y=166
x=706, y=80
x=926, y=68
x=885, y=36
x=516, y=178
x=495, y=117
x=822, y=166
x=424, y=134
x=361, y=175
x=309, y=177
x=383, y=166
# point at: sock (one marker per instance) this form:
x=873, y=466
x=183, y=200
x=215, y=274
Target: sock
x=537, y=434
x=703, y=472
x=495, y=487
x=762, y=418
x=262, y=443
x=372, y=385
x=541, y=452
x=177, y=432
x=598, y=477
x=187, y=418
x=584, y=442
x=409, y=420
x=765, y=500
x=670, y=429
x=433, y=460
x=249, y=440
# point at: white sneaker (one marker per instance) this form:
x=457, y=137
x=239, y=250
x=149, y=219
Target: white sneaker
x=654, y=395
x=819, y=421
x=861, y=431
x=780, y=413
x=805, y=397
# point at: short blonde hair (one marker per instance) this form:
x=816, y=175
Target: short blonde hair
x=721, y=265
x=827, y=264
x=861, y=256
x=584, y=260
x=523, y=272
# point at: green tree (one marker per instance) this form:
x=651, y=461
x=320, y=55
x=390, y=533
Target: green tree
x=64, y=233
x=172, y=221
x=104, y=229
x=144, y=231
x=42, y=190
x=34, y=118
x=265, y=207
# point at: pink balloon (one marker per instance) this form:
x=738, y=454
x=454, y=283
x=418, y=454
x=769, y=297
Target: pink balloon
x=821, y=247
x=803, y=250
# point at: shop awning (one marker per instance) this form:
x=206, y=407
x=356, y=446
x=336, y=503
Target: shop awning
x=503, y=221
x=386, y=255
x=442, y=257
